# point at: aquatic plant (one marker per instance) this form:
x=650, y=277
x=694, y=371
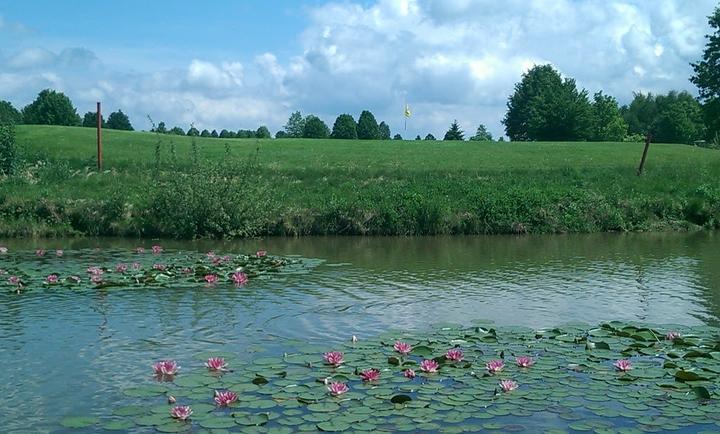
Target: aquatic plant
x=524, y=361
x=671, y=336
x=494, y=366
x=3, y=250
x=53, y=278
x=121, y=268
x=430, y=366
x=166, y=367
x=337, y=389
x=370, y=375
x=454, y=355
x=508, y=385
x=239, y=278
x=216, y=364
x=261, y=253
x=623, y=365
x=40, y=252
x=409, y=373
x=156, y=249
x=225, y=398
x=334, y=358
x=181, y=412
x=59, y=253
x=211, y=279
x=402, y=348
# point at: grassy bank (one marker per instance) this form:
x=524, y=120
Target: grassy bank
x=170, y=186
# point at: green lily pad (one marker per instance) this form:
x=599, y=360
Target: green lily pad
x=79, y=421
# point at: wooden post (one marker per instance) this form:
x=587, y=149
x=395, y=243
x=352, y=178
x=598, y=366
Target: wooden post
x=99, y=138
x=644, y=155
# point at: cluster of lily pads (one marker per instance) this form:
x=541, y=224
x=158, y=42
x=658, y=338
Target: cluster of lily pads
x=54, y=269
x=615, y=377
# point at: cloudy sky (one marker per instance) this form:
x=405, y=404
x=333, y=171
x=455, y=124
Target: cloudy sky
x=239, y=64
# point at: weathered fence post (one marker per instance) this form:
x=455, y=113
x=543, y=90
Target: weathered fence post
x=644, y=155
x=99, y=138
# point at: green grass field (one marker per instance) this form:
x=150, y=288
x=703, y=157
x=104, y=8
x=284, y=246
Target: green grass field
x=161, y=185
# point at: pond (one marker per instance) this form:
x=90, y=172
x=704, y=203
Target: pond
x=69, y=352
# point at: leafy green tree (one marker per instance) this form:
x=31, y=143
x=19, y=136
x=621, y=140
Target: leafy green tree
x=397, y=137
x=51, y=108
x=454, y=133
x=177, y=131
x=640, y=115
x=8, y=150
x=9, y=114
x=119, y=121
x=546, y=107
x=161, y=128
x=367, y=128
x=384, y=131
x=608, y=124
x=295, y=126
x=193, y=132
x=673, y=118
x=281, y=134
x=214, y=134
x=707, y=76
x=418, y=137
x=430, y=137
x=225, y=134
x=205, y=133
x=263, y=133
x=315, y=128
x=344, y=127
x=90, y=120
x=482, y=134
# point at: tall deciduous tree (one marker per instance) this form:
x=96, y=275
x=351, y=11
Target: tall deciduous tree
x=161, y=128
x=545, y=106
x=119, y=121
x=344, y=127
x=367, y=128
x=672, y=118
x=707, y=76
x=9, y=114
x=295, y=125
x=315, y=128
x=608, y=124
x=384, y=131
x=51, y=108
x=454, y=133
x=90, y=120
x=263, y=133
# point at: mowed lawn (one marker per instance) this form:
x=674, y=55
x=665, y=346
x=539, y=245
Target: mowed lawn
x=305, y=186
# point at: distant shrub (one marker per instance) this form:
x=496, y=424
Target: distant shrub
x=634, y=138
x=8, y=150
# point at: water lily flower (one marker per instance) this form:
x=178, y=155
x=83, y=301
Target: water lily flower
x=227, y=258
x=403, y=348
x=671, y=336
x=157, y=249
x=171, y=399
x=455, y=355
x=188, y=270
x=210, y=254
x=623, y=365
x=261, y=253
x=139, y=250
x=14, y=280
x=211, y=279
x=334, y=358
x=239, y=278
x=429, y=366
x=181, y=412
x=53, y=278
x=166, y=367
x=508, y=385
x=217, y=260
x=136, y=266
x=159, y=267
x=494, y=366
x=216, y=364
x=370, y=375
x=96, y=278
x=223, y=399
x=40, y=252
x=353, y=338
x=409, y=373
x=74, y=279
x=121, y=268
x=337, y=389
x=59, y=252
x=3, y=250
x=524, y=361
x=96, y=271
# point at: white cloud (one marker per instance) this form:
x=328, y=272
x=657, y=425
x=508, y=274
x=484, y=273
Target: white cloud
x=448, y=58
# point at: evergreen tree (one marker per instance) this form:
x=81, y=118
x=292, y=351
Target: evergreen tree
x=205, y=133
x=344, y=127
x=707, y=76
x=367, y=128
x=482, y=134
x=430, y=137
x=454, y=133
x=193, y=132
x=214, y=134
x=384, y=131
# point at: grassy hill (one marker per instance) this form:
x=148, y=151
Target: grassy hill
x=161, y=185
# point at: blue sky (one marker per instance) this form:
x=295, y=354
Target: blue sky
x=239, y=64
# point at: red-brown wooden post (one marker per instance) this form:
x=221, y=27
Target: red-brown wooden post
x=644, y=155
x=99, y=137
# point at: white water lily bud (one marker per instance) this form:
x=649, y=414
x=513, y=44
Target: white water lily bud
x=354, y=338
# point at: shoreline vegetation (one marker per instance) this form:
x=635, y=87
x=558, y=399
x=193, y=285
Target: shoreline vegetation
x=192, y=187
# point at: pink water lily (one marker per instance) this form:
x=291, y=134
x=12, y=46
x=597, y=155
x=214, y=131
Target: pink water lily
x=370, y=375
x=182, y=412
x=216, y=364
x=157, y=249
x=40, y=252
x=429, y=366
x=261, y=253
x=337, y=389
x=188, y=270
x=139, y=250
x=211, y=279
x=227, y=258
x=239, y=278
x=121, y=268
x=14, y=280
x=524, y=361
x=403, y=348
x=59, y=252
x=223, y=399
x=96, y=278
x=508, y=385
x=623, y=365
x=334, y=358
x=210, y=254
x=671, y=336
x=96, y=271
x=166, y=367
x=159, y=267
x=494, y=366
x=409, y=373
x=136, y=266
x=455, y=355
x=53, y=278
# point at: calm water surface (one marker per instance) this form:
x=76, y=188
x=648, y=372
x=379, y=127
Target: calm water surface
x=71, y=353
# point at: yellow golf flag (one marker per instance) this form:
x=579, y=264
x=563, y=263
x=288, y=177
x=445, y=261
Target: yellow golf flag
x=408, y=113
